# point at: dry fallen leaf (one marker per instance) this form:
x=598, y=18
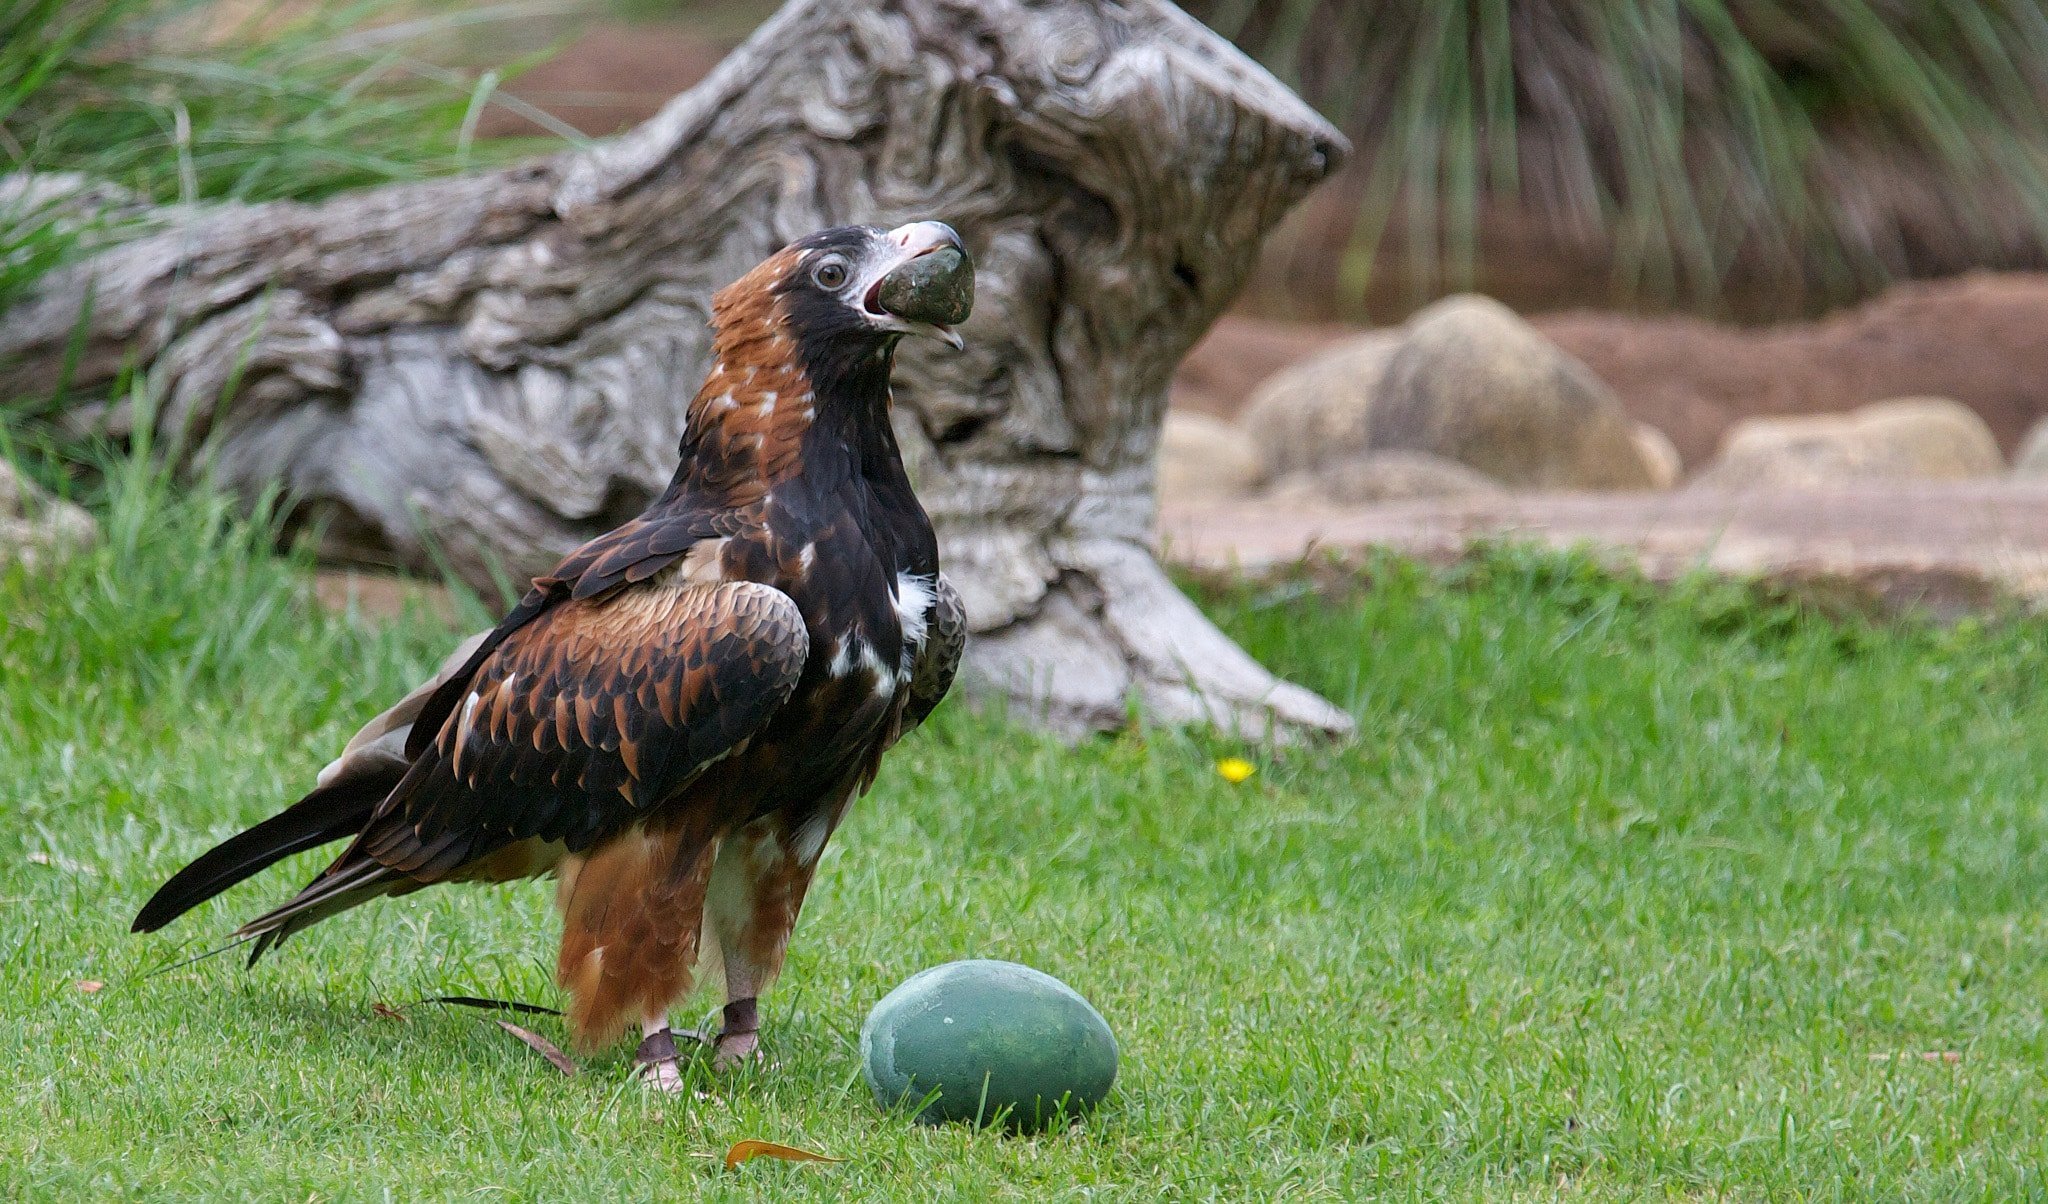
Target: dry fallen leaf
x=90, y=986
x=542, y=1046
x=387, y=1012
x=743, y=1151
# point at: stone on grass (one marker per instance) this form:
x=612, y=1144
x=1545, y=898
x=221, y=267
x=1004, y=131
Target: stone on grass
x=1905, y=439
x=2032, y=458
x=1660, y=454
x=33, y=524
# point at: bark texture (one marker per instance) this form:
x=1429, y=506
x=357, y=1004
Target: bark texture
x=483, y=371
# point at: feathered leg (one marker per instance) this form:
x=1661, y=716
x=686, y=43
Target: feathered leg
x=631, y=914
x=757, y=890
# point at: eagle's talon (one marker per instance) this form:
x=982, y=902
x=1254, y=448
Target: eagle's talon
x=739, y=1041
x=659, y=1061
x=735, y=1050
x=665, y=1077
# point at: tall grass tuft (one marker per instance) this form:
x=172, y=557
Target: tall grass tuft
x=196, y=100
x=183, y=592
x=1826, y=146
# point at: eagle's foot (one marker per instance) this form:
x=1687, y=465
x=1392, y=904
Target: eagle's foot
x=660, y=1059
x=739, y=1041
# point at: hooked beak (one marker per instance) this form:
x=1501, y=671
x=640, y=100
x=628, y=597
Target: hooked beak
x=925, y=286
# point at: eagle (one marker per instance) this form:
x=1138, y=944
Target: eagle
x=674, y=720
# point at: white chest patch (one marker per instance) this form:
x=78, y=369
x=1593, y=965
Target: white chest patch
x=914, y=598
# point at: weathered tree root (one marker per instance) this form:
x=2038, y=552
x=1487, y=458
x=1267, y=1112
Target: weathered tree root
x=501, y=361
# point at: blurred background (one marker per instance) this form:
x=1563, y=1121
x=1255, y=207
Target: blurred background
x=1719, y=216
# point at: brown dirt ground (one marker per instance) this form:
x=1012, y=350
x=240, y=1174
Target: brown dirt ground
x=613, y=76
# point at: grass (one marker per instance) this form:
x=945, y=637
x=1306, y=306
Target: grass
x=1619, y=893
x=196, y=100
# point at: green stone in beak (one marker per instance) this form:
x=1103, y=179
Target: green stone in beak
x=936, y=287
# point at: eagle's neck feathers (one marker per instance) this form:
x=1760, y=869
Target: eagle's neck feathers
x=777, y=403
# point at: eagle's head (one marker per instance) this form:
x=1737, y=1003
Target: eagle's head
x=866, y=284
x=804, y=344
x=847, y=294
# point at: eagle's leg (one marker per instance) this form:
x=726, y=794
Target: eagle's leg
x=739, y=1037
x=659, y=1058
x=632, y=910
x=757, y=889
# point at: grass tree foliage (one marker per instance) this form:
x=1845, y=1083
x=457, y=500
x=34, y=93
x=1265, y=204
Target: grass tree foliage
x=1828, y=145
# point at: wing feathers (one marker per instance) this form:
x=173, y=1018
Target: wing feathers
x=638, y=692
x=931, y=675
x=580, y=721
x=343, y=799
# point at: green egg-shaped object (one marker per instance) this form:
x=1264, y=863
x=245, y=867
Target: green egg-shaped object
x=988, y=1041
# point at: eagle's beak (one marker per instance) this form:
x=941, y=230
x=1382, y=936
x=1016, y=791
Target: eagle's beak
x=928, y=285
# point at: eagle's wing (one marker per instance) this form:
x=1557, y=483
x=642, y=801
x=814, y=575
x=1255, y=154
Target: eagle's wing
x=931, y=674
x=569, y=731
x=628, y=555
x=582, y=721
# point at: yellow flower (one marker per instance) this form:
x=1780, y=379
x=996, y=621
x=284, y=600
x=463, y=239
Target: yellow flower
x=1235, y=769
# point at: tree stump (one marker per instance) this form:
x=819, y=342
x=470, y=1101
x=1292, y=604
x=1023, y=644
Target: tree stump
x=480, y=372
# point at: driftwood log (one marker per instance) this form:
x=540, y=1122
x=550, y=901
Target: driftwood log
x=481, y=372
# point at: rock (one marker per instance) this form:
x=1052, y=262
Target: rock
x=1205, y=458
x=1943, y=439
x=1472, y=382
x=1906, y=439
x=1385, y=477
x=2032, y=458
x=1660, y=455
x=1315, y=411
x=34, y=524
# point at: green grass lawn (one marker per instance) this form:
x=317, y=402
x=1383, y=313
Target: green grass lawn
x=1617, y=893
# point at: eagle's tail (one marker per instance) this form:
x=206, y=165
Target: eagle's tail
x=348, y=883
x=327, y=814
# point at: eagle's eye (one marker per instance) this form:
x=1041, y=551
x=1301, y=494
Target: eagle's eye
x=829, y=274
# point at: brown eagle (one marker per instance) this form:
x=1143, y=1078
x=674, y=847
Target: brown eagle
x=674, y=720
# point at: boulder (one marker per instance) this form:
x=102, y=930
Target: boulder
x=34, y=524
x=1315, y=411
x=1660, y=455
x=2032, y=458
x=1204, y=458
x=1906, y=439
x=1472, y=382
x=1385, y=477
